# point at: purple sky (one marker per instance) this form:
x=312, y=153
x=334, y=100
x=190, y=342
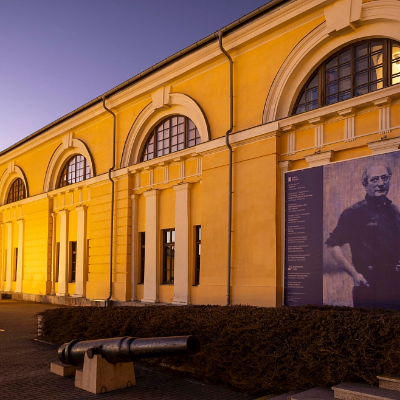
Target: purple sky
x=56, y=55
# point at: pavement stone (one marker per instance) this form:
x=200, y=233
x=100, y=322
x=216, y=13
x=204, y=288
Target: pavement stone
x=25, y=368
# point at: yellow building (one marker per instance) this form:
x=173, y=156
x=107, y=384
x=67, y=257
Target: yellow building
x=314, y=82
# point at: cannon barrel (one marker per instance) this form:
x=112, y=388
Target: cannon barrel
x=127, y=349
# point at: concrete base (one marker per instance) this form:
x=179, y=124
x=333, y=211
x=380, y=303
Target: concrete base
x=61, y=369
x=99, y=376
x=391, y=382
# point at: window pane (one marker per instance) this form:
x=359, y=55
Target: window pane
x=361, y=79
x=331, y=75
x=314, y=82
x=302, y=108
x=344, y=70
x=361, y=64
x=396, y=79
x=344, y=95
x=312, y=94
x=344, y=57
x=361, y=90
x=312, y=106
x=375, y=74
x=331, y=99
x=344, y=84
x=302, y=99
x=361, y=50
x=173, y=237
x=375, y=46
x=375, y=60
x=331, y=88
x=331, y=63
x=375, y=86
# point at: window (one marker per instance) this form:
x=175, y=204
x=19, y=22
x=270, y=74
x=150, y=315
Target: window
x=16, y=263
x=77, y=169
x=168, y=255
x=17, y=191
x=353, y=71
x=142, y=256
x=72, y=262
x=197, y=251
x=173, y=134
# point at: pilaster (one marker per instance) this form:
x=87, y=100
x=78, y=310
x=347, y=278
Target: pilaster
x=81, y=249
x=20, y=261
x=134, y=246
x=151, y=276
x=182, y=220
x=63, y=261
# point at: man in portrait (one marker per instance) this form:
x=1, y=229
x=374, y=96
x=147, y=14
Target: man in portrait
x=371, y=227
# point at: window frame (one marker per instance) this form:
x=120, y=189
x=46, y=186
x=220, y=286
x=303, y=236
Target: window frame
x=197, y=254
x=153, y=136
x=168, y=273
x=73, y=252
x=15, y=191
x=63, y=179
x=387, y=63
x=142, y=256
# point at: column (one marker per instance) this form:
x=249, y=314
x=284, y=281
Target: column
x=151, y=276
x=63, y=262
x=81, y=264
x=134, y=246
x=9, y=256
x=20, y=264
x=181, y=269
x=53, y=254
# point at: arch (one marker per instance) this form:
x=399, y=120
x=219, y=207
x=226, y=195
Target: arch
x=60, y=156
x=379, y=20
x=12, y=173
x=179, y=104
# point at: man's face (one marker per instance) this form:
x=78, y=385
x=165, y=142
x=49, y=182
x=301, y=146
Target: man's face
x=378, y=181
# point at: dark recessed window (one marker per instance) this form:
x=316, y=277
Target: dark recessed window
x=17, y=191
x=171, y=135
x=197, y=255
x=142, y=256
x=353, y=71
x=72, y=274
x=168, y=255
x=77, y=169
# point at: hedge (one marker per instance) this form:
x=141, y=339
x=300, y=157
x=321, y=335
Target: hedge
x=253, y=349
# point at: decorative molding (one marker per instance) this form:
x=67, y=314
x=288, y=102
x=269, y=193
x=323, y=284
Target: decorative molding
x=318, y=159
x=12, y=173
x=347, y=112
x=291, y=143
x=384, y=114
x=61, y=156
x=67, y=141
x=349, y=129
x=284, y=165
x=317, y=45
x=342, y=16
x=318, y=131
x=150, y=116
x=384, y=146
x=161, y=98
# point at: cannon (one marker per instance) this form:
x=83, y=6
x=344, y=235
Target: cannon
x=108, y=363
x=127, y=349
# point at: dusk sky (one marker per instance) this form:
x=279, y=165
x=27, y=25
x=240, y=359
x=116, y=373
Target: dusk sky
x=56, y=55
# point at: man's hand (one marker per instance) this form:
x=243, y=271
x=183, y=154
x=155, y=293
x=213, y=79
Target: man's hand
x=358, y=279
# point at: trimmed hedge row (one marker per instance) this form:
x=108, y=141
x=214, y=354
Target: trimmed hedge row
x=257, y=350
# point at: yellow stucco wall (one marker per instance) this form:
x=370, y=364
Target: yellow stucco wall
x=256, y=268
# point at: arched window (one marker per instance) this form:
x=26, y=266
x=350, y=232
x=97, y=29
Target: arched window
x=17, y=191
x=77, y=169
x=172, y=134
x=354, y=70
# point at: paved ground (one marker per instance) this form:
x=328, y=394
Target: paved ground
x=25, y=368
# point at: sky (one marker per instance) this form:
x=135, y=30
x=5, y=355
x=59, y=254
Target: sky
x=56, y=55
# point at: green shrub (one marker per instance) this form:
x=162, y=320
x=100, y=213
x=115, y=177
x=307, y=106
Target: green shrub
x=258, y=350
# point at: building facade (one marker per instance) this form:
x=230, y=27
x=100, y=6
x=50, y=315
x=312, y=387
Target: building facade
x=314, y=82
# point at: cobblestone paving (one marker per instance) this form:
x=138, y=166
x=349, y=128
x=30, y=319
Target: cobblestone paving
x=25, y=368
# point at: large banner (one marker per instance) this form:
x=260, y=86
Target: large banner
x=342, y=233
